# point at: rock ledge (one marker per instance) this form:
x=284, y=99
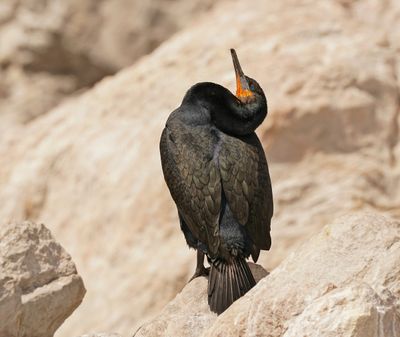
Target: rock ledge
x=345, y=281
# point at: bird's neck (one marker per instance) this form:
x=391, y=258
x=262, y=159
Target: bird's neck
x=220, y=107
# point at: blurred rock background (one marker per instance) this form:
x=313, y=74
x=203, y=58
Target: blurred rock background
x=81, y=154
x=50, y=50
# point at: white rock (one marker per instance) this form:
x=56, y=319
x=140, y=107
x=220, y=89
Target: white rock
x=188, y=313
x=39, y=285
x=101, y=335
x=325, y=288
x=352, y=311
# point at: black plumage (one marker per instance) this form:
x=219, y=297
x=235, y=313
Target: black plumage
x=217, y=173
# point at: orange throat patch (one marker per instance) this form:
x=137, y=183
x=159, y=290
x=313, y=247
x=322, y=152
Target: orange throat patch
x=240, y=92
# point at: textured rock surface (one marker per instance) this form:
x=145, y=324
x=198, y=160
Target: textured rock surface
x=352, y=311
x=188, y=314
x=343, y=282
x=39, y=285
x=101, y=335
x=50, y=49
x=91, y=166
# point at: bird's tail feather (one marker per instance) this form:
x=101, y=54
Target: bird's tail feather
x=227, y=282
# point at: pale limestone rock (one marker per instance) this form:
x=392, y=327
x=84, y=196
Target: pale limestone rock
x=51, y=49
x=39, y=285
x=330, y=70
x=10, y=306
x=342, y=282
x=188, y=314
x=101, y=335
x=352, y=311
x=326, y=287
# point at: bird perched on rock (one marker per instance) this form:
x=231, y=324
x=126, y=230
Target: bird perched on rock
x=217, y=174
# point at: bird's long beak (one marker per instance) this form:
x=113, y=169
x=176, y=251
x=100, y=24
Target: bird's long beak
x=242, y=87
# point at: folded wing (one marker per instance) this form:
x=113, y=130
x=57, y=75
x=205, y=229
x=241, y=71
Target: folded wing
x=247, y=186
x=194, y=180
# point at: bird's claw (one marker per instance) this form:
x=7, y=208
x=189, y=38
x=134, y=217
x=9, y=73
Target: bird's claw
x=200, y=272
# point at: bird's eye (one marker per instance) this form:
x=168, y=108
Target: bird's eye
x=252, y=87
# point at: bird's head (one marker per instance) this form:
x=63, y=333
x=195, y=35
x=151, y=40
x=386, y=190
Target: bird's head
x=247, y=89
x=236, y=115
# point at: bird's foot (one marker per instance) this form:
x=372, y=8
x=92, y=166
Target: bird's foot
x=202, y=271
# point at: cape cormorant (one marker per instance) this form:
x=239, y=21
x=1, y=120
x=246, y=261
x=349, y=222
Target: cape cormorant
x=217, y=174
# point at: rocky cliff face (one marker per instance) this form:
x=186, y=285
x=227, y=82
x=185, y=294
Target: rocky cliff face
x=51, y=49
x=91, y=166
x=345, y=281
x=39, y=285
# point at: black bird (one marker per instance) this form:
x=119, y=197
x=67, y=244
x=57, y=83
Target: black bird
x=217, y=174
